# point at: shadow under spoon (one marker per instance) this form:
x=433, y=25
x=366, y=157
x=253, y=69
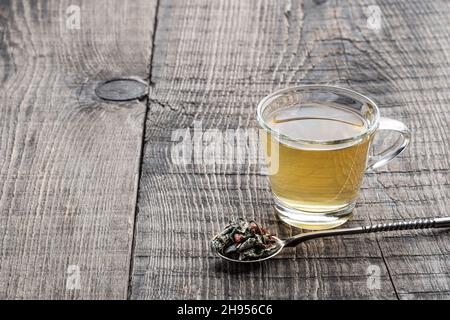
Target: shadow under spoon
x=382, y=227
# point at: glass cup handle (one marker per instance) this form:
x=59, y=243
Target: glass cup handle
x=394, y=150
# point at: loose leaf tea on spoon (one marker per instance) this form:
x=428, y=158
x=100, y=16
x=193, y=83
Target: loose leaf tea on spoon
x=244, y=240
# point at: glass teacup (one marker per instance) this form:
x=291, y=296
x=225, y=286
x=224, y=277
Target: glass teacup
x=317, y=150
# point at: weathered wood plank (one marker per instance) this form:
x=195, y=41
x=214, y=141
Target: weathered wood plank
x=214, y=65
x=213, y=61
x=69, y=162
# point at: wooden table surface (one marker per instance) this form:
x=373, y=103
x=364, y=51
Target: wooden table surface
x=92, y=204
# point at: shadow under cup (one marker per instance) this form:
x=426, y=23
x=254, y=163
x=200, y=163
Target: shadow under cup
x=317, y=150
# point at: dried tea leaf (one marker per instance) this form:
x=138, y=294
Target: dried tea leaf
x=244, y=240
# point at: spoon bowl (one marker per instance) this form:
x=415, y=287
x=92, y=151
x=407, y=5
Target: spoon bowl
x=280, y=246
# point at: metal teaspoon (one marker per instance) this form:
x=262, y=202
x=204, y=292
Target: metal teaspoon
x=381, y=227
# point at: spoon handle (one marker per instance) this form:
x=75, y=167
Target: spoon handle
x=380, y=227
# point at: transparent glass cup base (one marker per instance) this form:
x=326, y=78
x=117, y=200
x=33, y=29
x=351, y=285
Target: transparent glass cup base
x=320, y=219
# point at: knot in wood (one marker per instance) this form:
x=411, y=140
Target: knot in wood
x=121, y=89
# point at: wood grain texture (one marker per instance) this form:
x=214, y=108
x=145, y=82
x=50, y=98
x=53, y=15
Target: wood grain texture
x=69, y=162
x=213, y=61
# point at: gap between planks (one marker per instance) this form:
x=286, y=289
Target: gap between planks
x=141, y=155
